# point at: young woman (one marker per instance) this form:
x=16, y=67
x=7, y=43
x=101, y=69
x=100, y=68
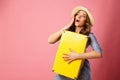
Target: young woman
x=81, y=23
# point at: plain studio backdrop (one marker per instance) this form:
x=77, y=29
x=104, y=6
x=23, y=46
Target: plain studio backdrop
x=26, y=24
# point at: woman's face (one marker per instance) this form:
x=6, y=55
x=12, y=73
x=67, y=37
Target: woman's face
x=80, y=18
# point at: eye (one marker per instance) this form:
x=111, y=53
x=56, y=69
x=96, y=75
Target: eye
x=84, y=16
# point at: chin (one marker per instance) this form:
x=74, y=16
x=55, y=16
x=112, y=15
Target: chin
x=77, y=25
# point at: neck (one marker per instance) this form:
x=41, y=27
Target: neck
x=78, y=29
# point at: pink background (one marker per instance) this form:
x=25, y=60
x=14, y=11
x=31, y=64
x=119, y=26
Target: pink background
x=26, y=24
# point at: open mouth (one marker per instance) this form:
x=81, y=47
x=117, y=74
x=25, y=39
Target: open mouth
x=77, y=20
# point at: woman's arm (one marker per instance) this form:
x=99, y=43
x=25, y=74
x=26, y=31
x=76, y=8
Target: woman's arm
x=91, y=55
x=95, y=53
x=55, y=36
x=75, y=56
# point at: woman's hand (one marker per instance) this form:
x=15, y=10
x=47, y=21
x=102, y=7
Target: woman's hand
x=71, y=56
x=69, y=24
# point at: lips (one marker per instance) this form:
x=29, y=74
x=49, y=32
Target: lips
x=77, y=20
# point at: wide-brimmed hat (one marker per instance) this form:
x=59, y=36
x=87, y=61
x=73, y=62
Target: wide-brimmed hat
x=78, y=8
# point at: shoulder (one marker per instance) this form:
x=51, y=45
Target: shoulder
x=91, y=34
x=92, y=37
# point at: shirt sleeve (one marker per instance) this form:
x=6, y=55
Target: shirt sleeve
x=94, y=43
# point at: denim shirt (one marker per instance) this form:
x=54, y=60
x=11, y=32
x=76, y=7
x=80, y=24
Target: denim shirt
x=94, y=43
x=85, y=71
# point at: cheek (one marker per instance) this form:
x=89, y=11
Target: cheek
x=83, y=20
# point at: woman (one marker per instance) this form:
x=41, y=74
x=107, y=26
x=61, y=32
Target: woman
x=82, y=22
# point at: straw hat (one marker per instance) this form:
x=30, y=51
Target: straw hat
x=78, y=8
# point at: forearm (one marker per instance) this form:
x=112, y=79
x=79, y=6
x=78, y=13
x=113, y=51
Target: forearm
x=55, y=36
x=90, y=55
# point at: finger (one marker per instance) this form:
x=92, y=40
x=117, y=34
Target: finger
x=65, y=54
x=66, y=59
x=70, y=61
x=72, y=20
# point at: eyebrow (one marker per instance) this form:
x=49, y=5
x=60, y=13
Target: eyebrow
x=82, y=14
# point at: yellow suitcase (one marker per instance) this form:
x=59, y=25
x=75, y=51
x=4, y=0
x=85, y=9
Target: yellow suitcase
x=76, y=42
